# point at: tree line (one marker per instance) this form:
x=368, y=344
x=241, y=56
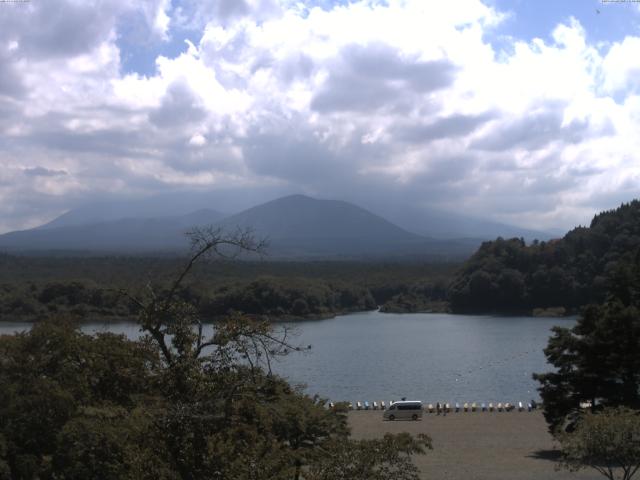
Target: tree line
x=509, y=275
x=32, y=288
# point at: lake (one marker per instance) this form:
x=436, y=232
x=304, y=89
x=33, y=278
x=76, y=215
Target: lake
x=430, y=357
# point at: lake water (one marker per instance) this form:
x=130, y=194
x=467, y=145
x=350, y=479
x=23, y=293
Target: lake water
x=431, y=357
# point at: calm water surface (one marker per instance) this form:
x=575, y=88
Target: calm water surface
x=432, y=357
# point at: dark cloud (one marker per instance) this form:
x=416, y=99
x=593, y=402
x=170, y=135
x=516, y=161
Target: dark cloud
x=381, y=62
x=293, y=152
x=345, y=93
x=445, y=127
x=533, y=132
x=301, y=160
x=43, y=172
x=115, y=142
x=195, y=14
x=448, y=170
x=584, y=170
x=11, y=84
x=376, y=76
x=549, y=184
x=179, y=107
x=295, y=67
x=46, y=30
x=232, y=8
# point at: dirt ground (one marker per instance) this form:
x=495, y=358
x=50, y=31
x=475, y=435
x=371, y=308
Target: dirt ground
x=477, y=446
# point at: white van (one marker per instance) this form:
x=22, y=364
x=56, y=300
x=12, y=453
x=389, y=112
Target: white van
x=405, y=409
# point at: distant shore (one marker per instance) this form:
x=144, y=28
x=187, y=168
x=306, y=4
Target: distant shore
x=477, y=446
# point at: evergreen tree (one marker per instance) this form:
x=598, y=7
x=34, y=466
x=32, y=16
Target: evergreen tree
x=598, y=360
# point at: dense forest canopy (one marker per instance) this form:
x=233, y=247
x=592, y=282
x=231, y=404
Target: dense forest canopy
x=570, y=272
x=33, y=287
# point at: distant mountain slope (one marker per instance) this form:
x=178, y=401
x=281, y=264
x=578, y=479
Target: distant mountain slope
x=297, y=227
x=162, y=206
x=299, y=216
x=127, y=234
x=439, y=224
x=570, y=272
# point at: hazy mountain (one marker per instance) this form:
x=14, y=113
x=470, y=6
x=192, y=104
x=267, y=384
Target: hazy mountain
x=299, y=216
x=443, y=225
x=127, y=234
x=296, y=226
x=413, y=218
x=302, y=226
x=156, y=207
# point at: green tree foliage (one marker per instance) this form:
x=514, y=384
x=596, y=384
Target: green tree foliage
x=608, y=442
x=87, y=287
x=178, y=404
x=286, y=298
x=5, y=471
x=507, y=275
x=383, y=459
x=426, y=296
x=53, y=372
x=596, y=361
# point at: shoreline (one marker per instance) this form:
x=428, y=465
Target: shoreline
x=291, y=319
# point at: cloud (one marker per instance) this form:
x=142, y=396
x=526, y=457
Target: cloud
x=43, y=172
x=533, y=132
x=196, y=14
x=375, y=76
x=354, y=100
x=179, y=107
x=621, y=66
x=49, y=30
x=445, y=127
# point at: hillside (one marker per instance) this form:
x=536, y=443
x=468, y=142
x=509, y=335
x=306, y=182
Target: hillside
x=302, y=226
x=508, y=275
x=127, y=234
x=296, y=227
x=447, y=224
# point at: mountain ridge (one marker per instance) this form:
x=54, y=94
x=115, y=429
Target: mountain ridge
x=298, y=226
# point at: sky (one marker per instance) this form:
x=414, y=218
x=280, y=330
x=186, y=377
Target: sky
x=517, y=111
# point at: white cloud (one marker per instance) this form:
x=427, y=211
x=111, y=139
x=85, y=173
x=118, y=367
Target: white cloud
x=403, y=95
x=621, y=66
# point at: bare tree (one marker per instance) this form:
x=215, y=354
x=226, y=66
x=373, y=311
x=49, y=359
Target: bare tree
x=176, y=326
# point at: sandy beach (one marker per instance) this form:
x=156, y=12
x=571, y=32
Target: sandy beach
x=477, y=446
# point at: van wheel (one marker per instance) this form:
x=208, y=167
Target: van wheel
x=414, y=417
x=392, y=417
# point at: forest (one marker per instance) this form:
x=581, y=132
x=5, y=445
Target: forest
x=92, y=287
x=568, y=273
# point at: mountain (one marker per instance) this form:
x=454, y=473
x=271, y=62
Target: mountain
x=126, y=234
x=443, y=225
x=296, y=226
x=418, y=219
x=156, y=207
